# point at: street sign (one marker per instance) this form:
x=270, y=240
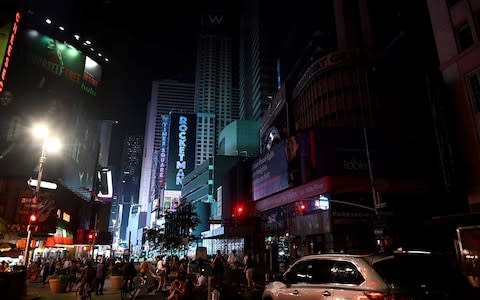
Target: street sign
x=43, y=184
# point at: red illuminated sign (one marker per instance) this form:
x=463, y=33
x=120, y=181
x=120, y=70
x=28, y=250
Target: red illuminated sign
x=6, y=61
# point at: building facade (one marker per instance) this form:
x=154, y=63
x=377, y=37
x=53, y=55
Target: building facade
x=213, y=83
x=325, y=189
x=257, y=81
x=456, y=33
x=128, y=187
x=167, y=96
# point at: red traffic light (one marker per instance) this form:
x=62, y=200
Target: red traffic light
x=301, y=207
x=33, y=218
x=90, y=237
x=239, y=211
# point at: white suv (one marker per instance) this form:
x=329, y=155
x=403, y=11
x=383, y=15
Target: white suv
x=364, y=277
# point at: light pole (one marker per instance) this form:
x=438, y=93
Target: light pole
x=48, y=144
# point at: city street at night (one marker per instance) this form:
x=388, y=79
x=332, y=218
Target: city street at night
x=240, y=149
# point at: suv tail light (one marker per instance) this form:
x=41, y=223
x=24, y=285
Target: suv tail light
x=382, y=296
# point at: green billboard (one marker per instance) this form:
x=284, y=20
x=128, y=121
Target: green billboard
x=63, y=61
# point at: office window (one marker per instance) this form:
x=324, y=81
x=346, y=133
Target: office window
x=464, y=37
x=474, y=86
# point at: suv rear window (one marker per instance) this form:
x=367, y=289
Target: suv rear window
x=422, y=272
x=324, y=271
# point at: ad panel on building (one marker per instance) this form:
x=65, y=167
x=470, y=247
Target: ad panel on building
x=163, y=153
x=269, y=172
x=62, y=60
x=315, y=153
x=49, y=77
x=171, y=200
x=181, y=149
x=343, y=152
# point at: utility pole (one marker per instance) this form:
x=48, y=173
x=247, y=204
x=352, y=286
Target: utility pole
x=94, y=234
x=129, y=244
x=376, y=198
x=41, y=161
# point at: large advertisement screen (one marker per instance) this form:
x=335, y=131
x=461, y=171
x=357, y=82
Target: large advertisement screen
x=343, y=152
x=62, y=61
x=81, y=157
x=315, y=153
x=181, y=149
x=269, y=172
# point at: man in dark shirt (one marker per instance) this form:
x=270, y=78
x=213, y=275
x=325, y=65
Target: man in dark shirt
x=88, y=276
x=129, y=272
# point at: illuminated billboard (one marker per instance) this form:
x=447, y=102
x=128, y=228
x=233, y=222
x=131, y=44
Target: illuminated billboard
x=80, y=158
x=105, y=183
x=269, y=172
x=314, y=153
x=163, y=153
x=9, y=22
x=181, y=149
x=171, y=200
x=62, y=61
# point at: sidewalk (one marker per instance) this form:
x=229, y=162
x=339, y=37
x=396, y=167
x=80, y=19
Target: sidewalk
x=36, y=290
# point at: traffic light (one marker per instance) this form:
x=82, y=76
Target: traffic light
x=90, y=237
x=301, y=207
x=32, y=218
x=239, y=211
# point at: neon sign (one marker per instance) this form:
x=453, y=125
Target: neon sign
x=182, y=145
x=6, y=61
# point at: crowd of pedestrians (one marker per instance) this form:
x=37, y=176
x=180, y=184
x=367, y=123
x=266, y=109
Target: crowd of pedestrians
x=176, y=279
x=79, y=272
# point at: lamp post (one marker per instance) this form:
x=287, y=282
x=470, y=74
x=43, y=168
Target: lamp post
x=48, y=144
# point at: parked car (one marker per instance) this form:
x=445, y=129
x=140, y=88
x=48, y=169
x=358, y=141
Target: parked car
x=404, y=276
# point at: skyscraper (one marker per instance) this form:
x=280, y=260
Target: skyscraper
x=129, y=185
x=167, y=96
x=213, y=83
x=257, y=63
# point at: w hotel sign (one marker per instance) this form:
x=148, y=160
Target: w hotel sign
x=214, y=22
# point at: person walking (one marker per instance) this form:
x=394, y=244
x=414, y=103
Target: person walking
x=249, y=269
x=87, y=280
x=218, y=269
x=129, y=272
x=161, y=272
x=233, y=260
x=45, y=271
x=144, y=268
x=102, y=271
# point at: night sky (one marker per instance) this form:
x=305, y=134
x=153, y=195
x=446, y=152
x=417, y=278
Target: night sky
x=146, y=41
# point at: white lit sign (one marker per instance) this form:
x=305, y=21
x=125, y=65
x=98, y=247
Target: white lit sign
x=109, y=184
x=322, y=203
x=43, y=184
x=181, y=164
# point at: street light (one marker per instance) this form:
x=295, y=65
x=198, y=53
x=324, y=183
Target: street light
x=50, y=144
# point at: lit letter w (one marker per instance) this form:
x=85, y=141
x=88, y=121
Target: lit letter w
x=215, y=19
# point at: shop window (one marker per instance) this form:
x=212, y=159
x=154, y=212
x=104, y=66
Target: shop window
x=464, y=37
